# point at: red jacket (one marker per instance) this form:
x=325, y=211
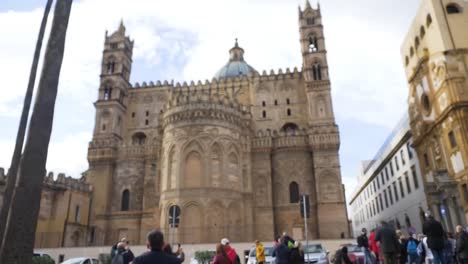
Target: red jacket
x=372, y=243
x=231, y=254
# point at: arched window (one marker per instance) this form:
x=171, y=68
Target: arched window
x=289, y=112
x=310, y=21
x=125, y=205
x=139, y=138
x=263, y=103
x=276, y=102
x=416, y=43
x=422, y=32
x=313, y=47
x=293, y=192
x=77, y=214
x=317, y=72
x=453, y=8
x=411, y=52
x=289, y=126
x=406, y=60
x=107, y=93
x=428, y=20
x=288, y=101
x=264, y=114
x=110, y=67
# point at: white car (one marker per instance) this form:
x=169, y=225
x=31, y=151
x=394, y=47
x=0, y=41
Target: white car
x=84, y=260
x=315, y=254
x=269, y=259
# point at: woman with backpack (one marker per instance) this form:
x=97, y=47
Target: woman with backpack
x=412, y=250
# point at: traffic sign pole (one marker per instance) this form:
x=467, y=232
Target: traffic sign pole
x=304, y=202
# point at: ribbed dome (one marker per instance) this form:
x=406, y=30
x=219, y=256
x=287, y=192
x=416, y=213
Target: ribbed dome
x=236, y=67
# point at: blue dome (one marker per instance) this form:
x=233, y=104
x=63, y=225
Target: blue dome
x=236, y=67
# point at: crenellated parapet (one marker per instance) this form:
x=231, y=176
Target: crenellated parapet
x=61, y=182
x=66, y=183
x=221, y=84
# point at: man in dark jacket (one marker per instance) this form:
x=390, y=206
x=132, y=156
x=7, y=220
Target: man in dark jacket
x=281, y=253
x=461, y=248
x=155, y=254
x=123, y=254
x=363, y=243
x=435, y=238
x=389, y=245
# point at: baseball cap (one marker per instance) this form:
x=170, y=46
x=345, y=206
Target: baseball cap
x=224, y=241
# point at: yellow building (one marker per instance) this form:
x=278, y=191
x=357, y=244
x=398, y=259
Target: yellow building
x=435, y=54
x=64, y=214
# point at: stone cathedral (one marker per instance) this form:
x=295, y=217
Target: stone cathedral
x=234, y=154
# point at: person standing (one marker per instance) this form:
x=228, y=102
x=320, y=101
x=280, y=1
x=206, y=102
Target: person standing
x=412, y=250
x=403, y=252
x=297, y=254
x=363, y=243
x=231, y=252
x=341, y=256
x=281, y=253
x=373, y=245
x=461, y=245
x=387, y=237
x=435, y=238
x=123, y=254
x=155, y=243
x=221, y=256
x=259, y=252
x=180, y=253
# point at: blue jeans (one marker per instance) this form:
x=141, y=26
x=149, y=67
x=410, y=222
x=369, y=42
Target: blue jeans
x=439, y=257
x=413, y=258
x=367, y=256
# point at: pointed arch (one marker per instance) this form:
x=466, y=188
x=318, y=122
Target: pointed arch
x=171, y=169
x=453, y=8
x=313, y=44
x=293, y=192
x=428, y=20
x=191, y=224
x=216, y=221
x=125, y=202
x=233, y=177
x=216, y=164
x=317, y=71
x=139, y=138
x=193, y=170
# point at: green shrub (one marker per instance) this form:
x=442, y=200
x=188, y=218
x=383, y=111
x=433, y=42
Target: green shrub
x=204, y=257
x=42, y=260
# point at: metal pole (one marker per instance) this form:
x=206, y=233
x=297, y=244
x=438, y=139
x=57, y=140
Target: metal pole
x=305, y=225
x=173, y=224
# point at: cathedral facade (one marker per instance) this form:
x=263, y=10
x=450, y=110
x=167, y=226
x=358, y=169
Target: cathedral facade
x=233, y=154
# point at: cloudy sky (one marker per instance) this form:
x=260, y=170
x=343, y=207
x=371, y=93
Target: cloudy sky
x=189, y=40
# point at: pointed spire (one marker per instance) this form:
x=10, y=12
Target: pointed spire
x=307, y=5
x=300, y=11
x=236, y=44
x=121, y=27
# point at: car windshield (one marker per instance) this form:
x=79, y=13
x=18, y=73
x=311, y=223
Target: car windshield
x=74, y=261
x=313, y=249
x=268, y=251
x=353, y=248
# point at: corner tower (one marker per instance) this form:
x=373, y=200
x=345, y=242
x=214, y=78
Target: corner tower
x=323, y=133
x=108, y=131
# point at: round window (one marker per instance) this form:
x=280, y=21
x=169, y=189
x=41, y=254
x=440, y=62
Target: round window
x=426, y=104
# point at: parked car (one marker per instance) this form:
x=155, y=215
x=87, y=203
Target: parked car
x=355, y=253
x=83, y=260
x=315, y=254
x=43, y=256
x=269, y=259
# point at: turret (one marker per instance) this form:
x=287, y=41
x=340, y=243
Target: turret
x=114, y=85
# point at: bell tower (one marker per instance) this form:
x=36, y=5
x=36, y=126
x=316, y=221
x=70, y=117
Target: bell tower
x=324, y=139
x=110, y=117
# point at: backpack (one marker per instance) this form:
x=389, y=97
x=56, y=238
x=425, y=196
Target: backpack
x=412, y=247
x=236, y=260
x=118, y=259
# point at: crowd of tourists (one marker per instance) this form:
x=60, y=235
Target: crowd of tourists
x=434, y=246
